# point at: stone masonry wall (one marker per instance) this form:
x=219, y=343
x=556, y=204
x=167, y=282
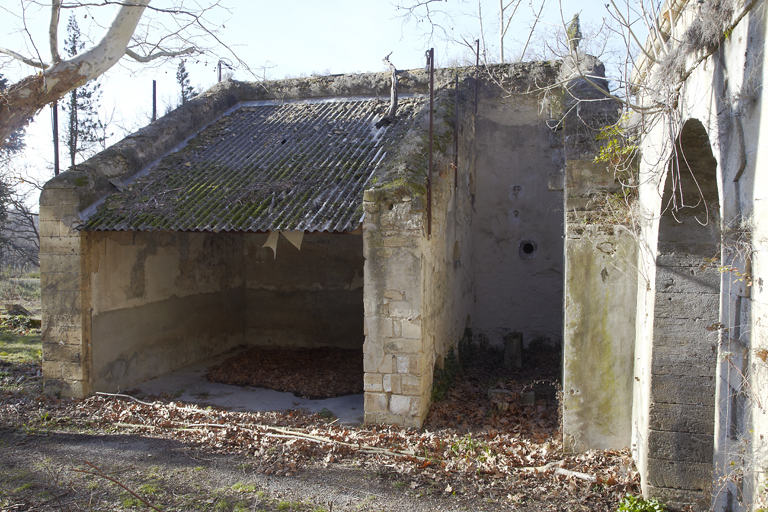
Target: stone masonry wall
x=397, y=380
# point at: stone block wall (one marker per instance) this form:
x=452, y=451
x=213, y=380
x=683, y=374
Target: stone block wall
x=397, y=363
x=419, y=288
x=64, y=296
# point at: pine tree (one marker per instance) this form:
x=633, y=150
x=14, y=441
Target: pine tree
x=573, y=31
x=182, y=78
x=84, y=130
x=16, y=140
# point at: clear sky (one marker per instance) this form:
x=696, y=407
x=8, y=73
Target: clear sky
x=281, y=39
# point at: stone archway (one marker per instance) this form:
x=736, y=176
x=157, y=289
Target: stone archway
x=680, y=440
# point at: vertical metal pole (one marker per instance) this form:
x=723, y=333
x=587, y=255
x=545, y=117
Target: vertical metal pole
x=218, y=75
x=477, y=70
x=55, y=125
x=154, y=100
x=456, y=134
x=431, y=63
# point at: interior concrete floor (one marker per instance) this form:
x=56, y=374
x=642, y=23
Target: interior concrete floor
x=190, y=385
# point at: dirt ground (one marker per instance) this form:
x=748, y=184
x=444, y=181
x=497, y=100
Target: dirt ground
x=481, y=449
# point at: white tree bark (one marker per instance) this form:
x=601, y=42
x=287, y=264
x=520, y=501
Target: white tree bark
x=27, y=97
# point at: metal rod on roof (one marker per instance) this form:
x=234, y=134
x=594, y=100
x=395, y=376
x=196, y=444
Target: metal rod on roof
x=55, y=125
x=154, y=100
x=456, y=134
x=431, y=64
x=477, y=70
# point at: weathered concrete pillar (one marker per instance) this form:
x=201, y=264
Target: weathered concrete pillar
x=599, y=317
x=397, y=372
x=65, y=294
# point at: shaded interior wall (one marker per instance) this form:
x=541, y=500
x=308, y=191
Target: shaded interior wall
x=686, y=306
x=518, y=222
x=163, y=300
x=307, y=297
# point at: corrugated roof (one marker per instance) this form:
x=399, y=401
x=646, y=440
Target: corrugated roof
x=263, y=167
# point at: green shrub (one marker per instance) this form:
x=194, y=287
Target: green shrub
x=638, y=504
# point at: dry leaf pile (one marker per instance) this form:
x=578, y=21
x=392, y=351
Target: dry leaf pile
x=473, y=444
x=307, y=373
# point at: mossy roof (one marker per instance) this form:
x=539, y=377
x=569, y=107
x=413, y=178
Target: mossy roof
x=264, y=166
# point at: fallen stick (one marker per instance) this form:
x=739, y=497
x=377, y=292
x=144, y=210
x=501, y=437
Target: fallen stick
x=576, y=474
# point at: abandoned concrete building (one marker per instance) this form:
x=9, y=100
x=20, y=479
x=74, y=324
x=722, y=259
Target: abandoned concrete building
x=281, y=214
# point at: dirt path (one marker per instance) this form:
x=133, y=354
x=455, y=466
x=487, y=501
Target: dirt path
x=479, y=450
x=37, y=472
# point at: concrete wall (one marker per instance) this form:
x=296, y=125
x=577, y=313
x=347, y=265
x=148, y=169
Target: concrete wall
x=518, y=234
x=159, y=301
x=723, y=95
x=307, y=297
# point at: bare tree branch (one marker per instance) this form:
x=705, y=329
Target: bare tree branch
x=26, y=60
x=53, y=31
x=149, y=58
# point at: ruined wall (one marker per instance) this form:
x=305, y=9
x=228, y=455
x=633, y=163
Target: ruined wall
x=714, y=322
x=161, y=301
x=518, y=234
x=418, y=285
x=312, y=296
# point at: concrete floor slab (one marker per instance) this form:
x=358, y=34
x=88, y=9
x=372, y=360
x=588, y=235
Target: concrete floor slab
x=190, y=385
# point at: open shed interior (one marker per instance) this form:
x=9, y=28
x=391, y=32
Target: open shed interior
x=164, y=300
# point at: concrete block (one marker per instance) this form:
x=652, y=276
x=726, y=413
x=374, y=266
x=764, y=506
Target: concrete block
x=411, y=385
x=60, y=262
x=400, y=404
x=408, y=364
x=684, y=366
x=393, y=383
x=52, y=369
x=686, y=280
x=688, y=305
x=411, y=329
x=697, y=419
x=62, y=352
x=373, y=382
x=376, y=402
x=680, y=446
x=373, y=354
x=690, y=331
x=60, y=244
x=681, y=499
x=400, y=346
x=72, y=370
x=694, y=476
x=672, y=389
x=670, y=255
x=401, y=309
x=63, y=387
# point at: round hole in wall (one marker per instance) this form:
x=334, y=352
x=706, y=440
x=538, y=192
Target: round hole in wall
x=527, y=249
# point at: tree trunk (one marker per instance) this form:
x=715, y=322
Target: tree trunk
x=24, y=99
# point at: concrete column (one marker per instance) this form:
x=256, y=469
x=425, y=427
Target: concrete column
x=65, y=294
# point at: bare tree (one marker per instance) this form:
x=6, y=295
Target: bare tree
x=132, y=33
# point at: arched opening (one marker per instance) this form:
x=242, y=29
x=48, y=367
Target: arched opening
x=680, y=440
